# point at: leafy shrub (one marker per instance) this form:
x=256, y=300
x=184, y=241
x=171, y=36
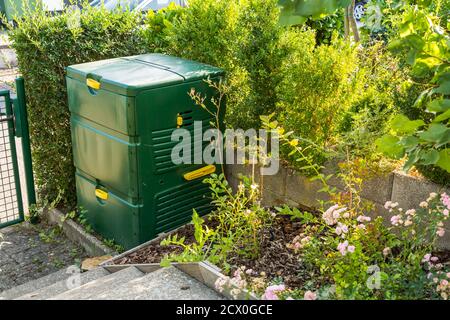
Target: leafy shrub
x=45, y=46
x=366, y=260
x=384, y=90
x=327, y=26
x=423, y=141
x=238, y=219
x=317, y=86
x=240, y=37
x=159, y=25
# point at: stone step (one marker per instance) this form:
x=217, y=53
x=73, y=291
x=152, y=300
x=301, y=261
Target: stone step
x=64, y=285
x=35, y=284
x=93, y=289
x=163, y=284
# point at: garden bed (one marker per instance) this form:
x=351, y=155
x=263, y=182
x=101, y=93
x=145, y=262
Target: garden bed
x=276, y=259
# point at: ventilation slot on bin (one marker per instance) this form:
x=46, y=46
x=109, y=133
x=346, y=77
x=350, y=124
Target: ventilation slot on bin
x=174, y=207
x=163, y=145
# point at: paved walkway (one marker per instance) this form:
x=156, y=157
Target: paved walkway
x=29, y=252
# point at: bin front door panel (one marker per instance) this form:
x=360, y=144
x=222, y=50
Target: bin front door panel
x=109, y=159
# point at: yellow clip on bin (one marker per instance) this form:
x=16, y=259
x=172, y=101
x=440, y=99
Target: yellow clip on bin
x=179, y=120
x=200, y=173
x=91, y=83
x=101, y=194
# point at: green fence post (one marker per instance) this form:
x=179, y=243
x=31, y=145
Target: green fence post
x=25, y=138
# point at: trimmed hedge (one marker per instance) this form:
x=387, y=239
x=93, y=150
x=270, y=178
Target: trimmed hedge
x=45, y=46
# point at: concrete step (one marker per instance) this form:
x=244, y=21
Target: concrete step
x=92, y=290
x=63, y=285
x=164, y=284
x=35, y=284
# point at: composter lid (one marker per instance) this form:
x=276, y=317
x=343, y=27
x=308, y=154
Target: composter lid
x=130, y=75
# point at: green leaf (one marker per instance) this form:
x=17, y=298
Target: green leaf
x=165, y=262
x=295, y=12
x=424, y=66
x=429, y=157
x=411, y=57
x=444, y=88
x=389, y=145
x=437, y=133
x=442, y=117
x=409, y=142
x=415, y=41
x=291, y=20
x=438, y=105
x=444, y=159
x=410, y=161
x=401, y=124
x=396, y=45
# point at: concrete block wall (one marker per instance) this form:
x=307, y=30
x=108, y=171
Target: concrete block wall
x=291, y=188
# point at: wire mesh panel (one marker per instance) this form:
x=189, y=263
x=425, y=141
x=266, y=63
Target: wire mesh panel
x=10, y=208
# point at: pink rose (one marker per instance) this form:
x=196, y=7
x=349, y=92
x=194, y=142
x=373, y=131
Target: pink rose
x=272, y=292
x=309, y=295
x=342, y=247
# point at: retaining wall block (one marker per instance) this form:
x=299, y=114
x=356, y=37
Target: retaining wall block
x=378, y=189
x=272, y=199
x=409, y=191
x=302, y=190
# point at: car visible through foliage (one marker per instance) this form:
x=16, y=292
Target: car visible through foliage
x=141, y=5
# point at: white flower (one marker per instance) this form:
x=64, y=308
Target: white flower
x=423, y=204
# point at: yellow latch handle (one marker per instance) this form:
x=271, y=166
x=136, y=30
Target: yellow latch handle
x=200, y=172
x=101, y=194
x=179, y=121
x=91, y=83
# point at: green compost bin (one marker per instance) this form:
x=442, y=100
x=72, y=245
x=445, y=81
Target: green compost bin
x=123, y=114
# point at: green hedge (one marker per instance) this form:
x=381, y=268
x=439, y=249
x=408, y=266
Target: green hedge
x=240, y=36
x=45, y=46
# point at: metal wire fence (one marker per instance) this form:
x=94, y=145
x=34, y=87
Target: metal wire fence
x=9, y=208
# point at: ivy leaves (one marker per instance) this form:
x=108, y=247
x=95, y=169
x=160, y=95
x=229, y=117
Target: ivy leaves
x=424, y=142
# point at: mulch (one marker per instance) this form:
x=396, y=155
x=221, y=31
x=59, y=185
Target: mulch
x=275, y=260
